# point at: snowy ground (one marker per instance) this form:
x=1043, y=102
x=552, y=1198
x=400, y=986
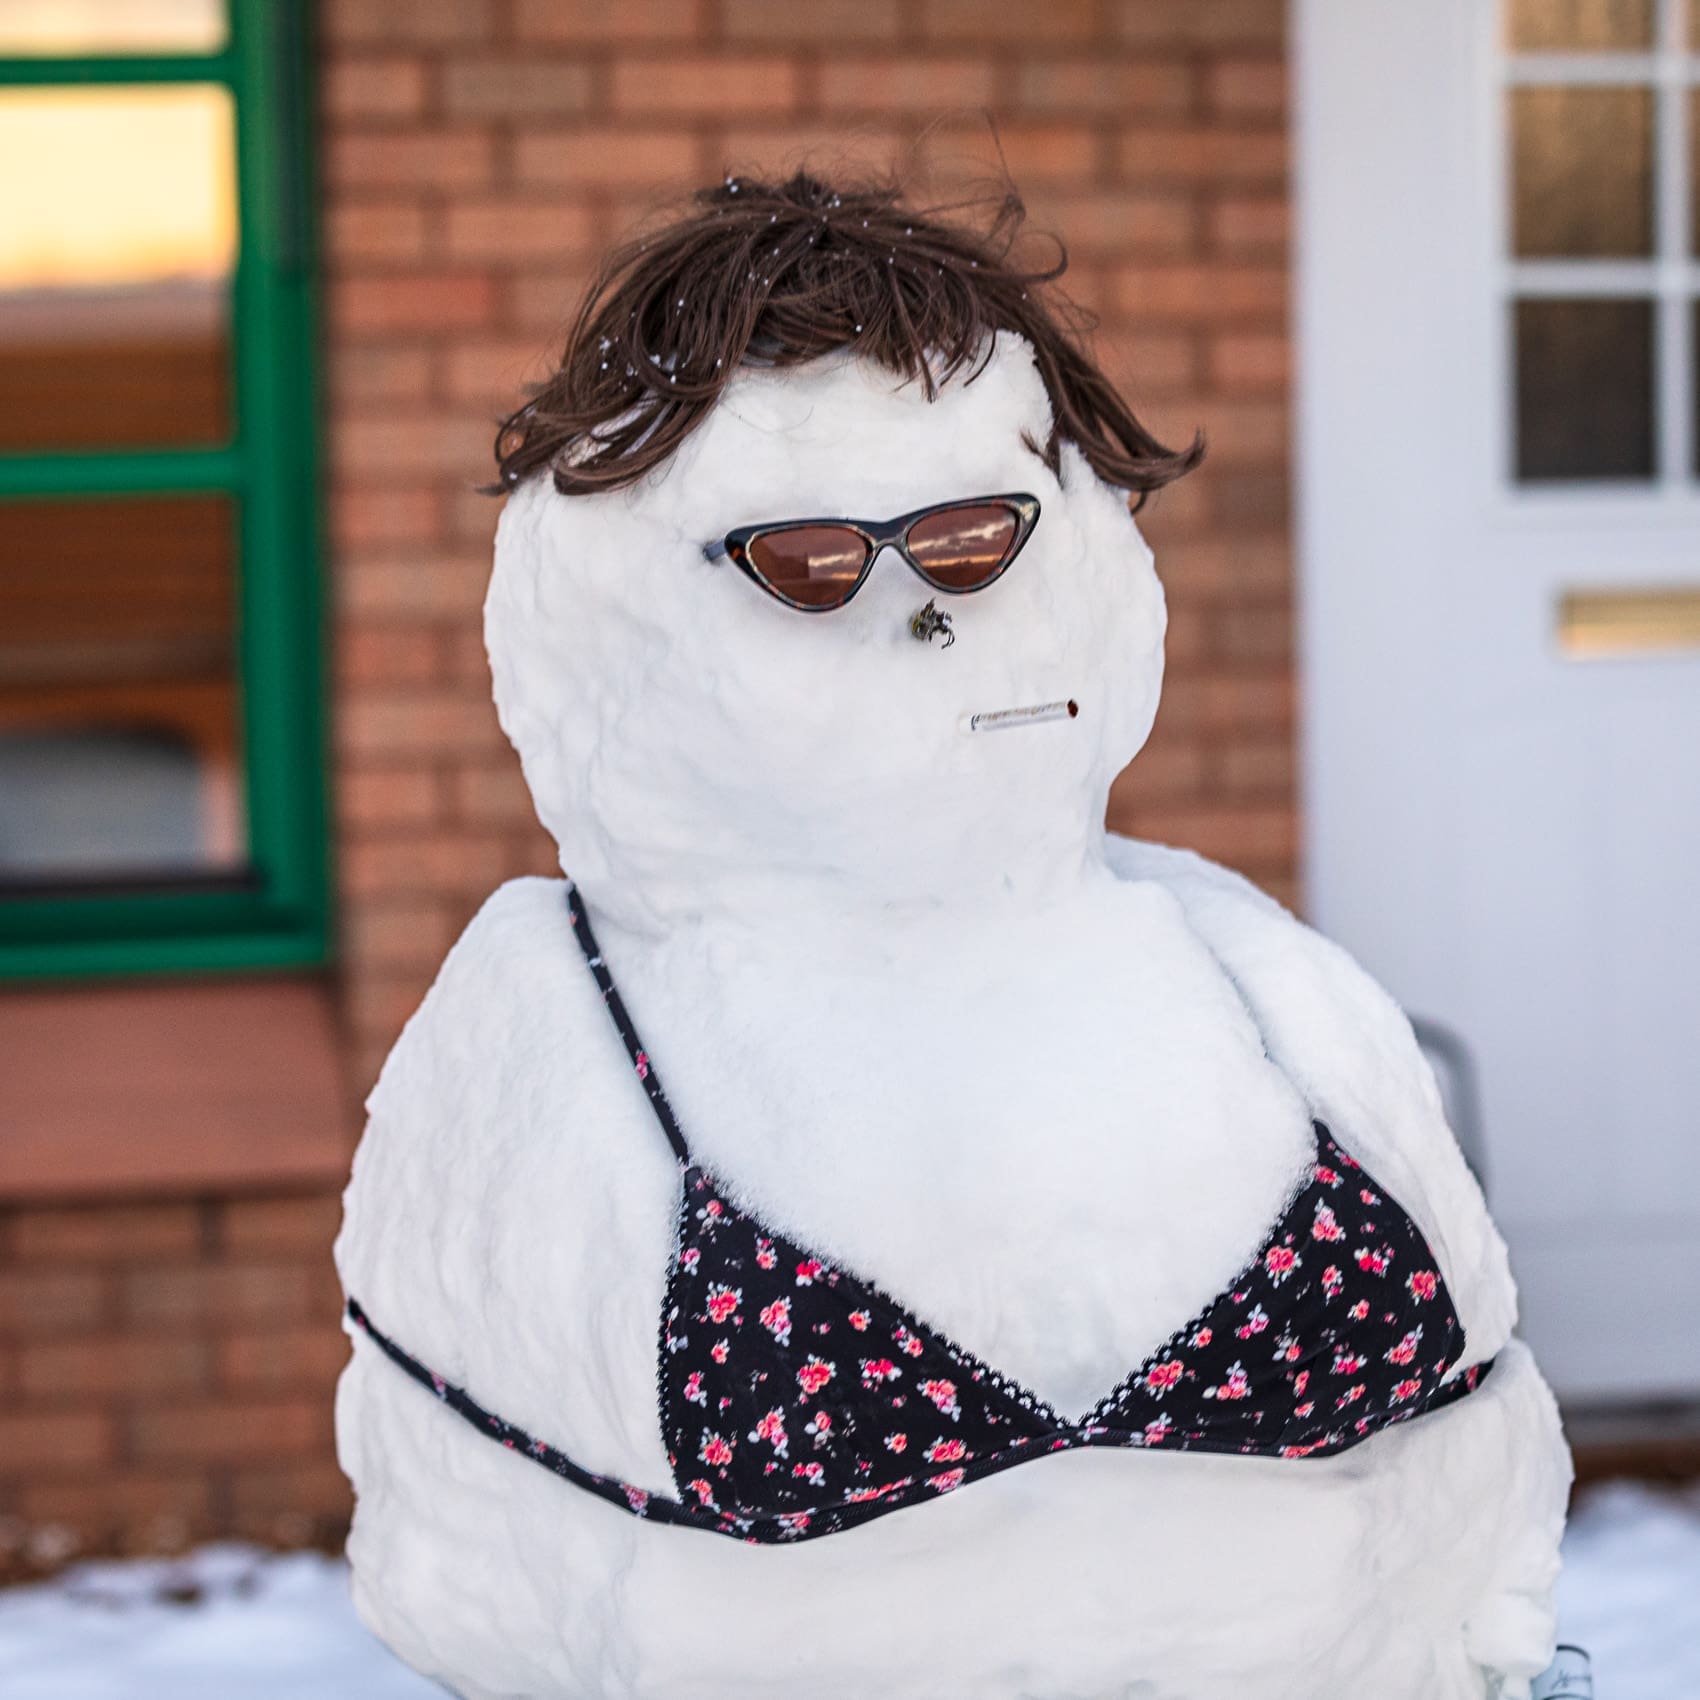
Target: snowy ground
x=232, y=1623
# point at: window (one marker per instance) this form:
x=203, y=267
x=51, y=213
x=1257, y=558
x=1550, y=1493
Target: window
x=1602, y=235
x=161, y=774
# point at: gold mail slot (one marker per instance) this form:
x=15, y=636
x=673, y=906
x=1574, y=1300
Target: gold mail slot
x=1628, y=622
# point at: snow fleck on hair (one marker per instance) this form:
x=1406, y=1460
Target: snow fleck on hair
x=777, y=274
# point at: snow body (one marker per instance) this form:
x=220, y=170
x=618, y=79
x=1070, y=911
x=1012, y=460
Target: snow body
x=917, y=1011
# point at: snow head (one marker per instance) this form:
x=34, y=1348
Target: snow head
x=691, y=741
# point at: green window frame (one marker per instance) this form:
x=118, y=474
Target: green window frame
x=279, y=914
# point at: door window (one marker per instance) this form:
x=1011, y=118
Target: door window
x=1601, y=230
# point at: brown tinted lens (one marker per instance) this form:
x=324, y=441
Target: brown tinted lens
x=964, y=548
x=815, y=566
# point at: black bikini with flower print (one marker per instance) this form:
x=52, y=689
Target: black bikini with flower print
x=799, y=1400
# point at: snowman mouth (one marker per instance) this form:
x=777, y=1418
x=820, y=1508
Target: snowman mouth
x=1003, y=719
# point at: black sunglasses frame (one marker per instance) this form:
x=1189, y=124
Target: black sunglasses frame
x=878, y=535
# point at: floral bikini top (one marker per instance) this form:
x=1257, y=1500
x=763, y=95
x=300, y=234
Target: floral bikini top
x=797, y=1399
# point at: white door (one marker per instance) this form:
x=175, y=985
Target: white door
x=1499, y=211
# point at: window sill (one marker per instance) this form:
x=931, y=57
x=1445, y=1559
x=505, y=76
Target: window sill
x=170, y=1088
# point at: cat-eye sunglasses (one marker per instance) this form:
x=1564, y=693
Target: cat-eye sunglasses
x=816, y=565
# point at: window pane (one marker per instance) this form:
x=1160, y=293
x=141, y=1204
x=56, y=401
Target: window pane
x=1582, y=172
x=1584, y=376
x=117, y=245
x=119, y=714
x=1557, y=26
x=30, y=27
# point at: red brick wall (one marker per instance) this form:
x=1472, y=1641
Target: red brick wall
x=479, y=153
x=165, y=1375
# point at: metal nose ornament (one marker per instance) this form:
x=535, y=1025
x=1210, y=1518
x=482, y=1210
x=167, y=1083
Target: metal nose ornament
x=928, y=623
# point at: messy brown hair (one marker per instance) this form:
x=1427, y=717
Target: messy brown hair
x=776, y=274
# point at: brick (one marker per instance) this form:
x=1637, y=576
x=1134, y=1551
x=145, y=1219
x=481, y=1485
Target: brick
x=291, y=1504
x=413, y=867
x=517, y=87
x=1250, y=498
x=1232, y=833
x=1245, y=225
x=1228, y=702
x=379, y=799
x=492, y=794
x=700, y=86
x=213, y=1293
x=1034, y=155
x=436, y=160
x=306, y=1224
x=1117, y=222
x=1247, y=431
x=55, y=1440
x=493, y=371
x=1246, y=632
x=605, y=157
x=1201, y=23
x=403, y=932
x=1186, y=639
x=411, y=444
x=1202, y=155
x=380, y=1004
x=904, y=84
x=1261, y=768
x=106, y=1233
x=364, y=372
x=294, y=1359
x=582, y=22
x=416, y=723
x=425, y=22
x=472, y=526
x=383, y=655
x=1247, y=362
x=227, y=1431
x=415, y=301
x=1063, y=21
x=1110, y=86
x=518, y=228
x=375, y=515
x=1203, y=294
x=541, y=302
x=51, y=1301
x=1226, y=568
x=829, y=22
x=1167, y=768
x=383, y=799
x=128, y=1366
x=1149, y=362
x=1246, y=88
x=391, y=86
x=441, y=587
x=370, y=232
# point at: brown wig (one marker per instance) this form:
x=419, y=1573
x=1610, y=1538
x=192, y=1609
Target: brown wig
x=776, y=274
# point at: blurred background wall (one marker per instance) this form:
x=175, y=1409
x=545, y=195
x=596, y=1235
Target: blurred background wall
x=172, y=1143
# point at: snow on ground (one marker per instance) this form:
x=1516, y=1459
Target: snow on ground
x=234, y=1623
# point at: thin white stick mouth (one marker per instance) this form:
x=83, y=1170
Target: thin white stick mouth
x=998, y=719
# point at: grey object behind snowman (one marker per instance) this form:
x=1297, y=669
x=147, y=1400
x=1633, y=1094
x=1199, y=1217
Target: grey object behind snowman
x=1570, y=1676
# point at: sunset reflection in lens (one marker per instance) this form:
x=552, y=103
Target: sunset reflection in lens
x=963, y=548
x=816, y=566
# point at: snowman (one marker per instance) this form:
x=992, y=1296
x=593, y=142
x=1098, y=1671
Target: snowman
x=868, y=1231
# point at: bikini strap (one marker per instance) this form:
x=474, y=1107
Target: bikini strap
x=616, y=1007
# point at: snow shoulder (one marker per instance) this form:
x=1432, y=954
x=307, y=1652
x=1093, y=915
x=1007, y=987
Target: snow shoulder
x=1349, y=1049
